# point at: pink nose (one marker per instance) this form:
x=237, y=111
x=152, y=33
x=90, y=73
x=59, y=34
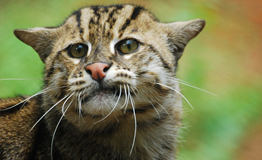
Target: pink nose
x=97, y=70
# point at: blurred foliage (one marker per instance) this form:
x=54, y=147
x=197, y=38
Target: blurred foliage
x=224, y=59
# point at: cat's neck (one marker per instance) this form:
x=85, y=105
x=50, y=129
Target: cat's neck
x=121, y=135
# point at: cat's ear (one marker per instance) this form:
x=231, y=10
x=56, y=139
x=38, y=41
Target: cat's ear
x=40, y=39
x=180, y=33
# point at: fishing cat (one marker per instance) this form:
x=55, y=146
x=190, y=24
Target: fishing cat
x=109, y=91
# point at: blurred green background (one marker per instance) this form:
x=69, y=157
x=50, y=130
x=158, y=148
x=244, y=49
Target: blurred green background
x=224, y=59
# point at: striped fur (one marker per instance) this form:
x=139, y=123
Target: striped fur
x=129, y=114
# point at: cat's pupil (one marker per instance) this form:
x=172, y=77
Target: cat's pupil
x=128, y=44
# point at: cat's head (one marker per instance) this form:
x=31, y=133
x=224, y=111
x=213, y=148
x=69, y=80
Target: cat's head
x=105, y=59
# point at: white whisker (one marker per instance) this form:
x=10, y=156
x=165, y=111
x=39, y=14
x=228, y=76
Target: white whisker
x=24, y=101
x=63, y=107
x=47, y=112
x=54, y=88
x=178, y=93
x=116, y=119
x=115, y=93
x=133, y=91
x=164, y=110
x=136, y=89
x=80, y=106
x=196, y=88
x=155, y=109
x=127, y=97
x=63, y=114
x=134, y=113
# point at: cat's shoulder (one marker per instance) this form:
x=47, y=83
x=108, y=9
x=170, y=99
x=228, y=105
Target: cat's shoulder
x=12, y=105
x=17, y=116
x=19, y=111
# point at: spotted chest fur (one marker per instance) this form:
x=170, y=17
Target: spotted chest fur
x=109, y=91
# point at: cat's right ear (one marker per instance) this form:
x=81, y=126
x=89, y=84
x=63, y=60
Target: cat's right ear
x=40, y=39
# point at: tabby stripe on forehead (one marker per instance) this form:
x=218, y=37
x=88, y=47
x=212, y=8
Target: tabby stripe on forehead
x=134, y=15
x=110, y=19
x=136, y=12
x=96, y=13
x=78, y=19
x=115, y=9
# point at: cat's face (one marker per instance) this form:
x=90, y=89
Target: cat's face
x=110, y=60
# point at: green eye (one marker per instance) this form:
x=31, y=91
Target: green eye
x=78, y=50
x=127, y=46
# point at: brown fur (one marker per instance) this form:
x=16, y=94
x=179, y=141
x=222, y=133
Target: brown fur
x=15, y=140
x=134, y=112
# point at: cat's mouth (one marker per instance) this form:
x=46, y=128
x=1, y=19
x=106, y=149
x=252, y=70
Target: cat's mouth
x=107, y=92
x=102, y=100
x=101, y=94
x=128, y=111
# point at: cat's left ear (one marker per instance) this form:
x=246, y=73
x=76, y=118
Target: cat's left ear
x=40, y=39
x=180, y=33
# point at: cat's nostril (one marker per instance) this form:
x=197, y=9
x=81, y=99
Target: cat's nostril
x=89, y=72
x=106, y=69
x=97, y=70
